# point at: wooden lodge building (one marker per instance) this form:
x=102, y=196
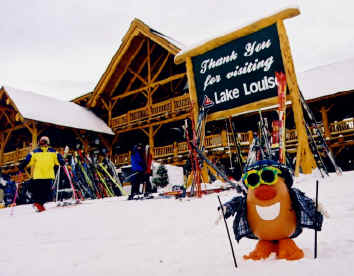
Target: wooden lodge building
x=143, y=97
x=25, y=116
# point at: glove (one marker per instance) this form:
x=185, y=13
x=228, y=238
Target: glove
x=322, y=210
x=66, y=151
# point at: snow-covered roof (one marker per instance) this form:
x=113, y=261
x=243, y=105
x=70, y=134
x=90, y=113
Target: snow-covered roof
x=327, y=79
x=171, y=40
x=54, y=111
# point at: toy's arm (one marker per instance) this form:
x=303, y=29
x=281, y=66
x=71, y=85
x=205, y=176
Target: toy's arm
x=232, y=206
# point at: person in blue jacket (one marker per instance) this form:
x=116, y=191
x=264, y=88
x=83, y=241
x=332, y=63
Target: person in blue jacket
x=138, y=169
x=42, y=160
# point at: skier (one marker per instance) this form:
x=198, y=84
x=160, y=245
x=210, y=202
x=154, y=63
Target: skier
x=138, y=169
x=2, y=193
x=272, y=212
x=43, y=160
x=148, y=172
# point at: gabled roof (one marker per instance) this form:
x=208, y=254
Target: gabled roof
x=136, y=28
x=327, y=79
x=45, y=109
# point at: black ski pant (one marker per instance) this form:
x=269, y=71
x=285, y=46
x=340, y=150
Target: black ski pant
x=136, y=181
x=147, y=184
x=41, y=190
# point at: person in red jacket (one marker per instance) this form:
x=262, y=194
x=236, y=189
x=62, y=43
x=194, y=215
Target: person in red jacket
x=148, y=171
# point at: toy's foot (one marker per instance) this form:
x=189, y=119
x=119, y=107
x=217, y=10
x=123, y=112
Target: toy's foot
x=289, y=250
x=262, y=250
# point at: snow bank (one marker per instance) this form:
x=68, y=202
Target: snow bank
x=156, y=237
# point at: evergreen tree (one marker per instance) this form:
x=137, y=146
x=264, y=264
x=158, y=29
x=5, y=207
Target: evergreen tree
x=162, y=177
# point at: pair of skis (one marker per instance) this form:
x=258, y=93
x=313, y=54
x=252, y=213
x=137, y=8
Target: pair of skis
x=236, y=168
x=317, y=141
x=90, y=179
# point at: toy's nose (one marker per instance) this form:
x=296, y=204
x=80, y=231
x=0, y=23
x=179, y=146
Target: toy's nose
x=265, y=192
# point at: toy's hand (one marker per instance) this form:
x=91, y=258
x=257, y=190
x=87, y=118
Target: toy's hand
x=322, y=210
x=219, y=218
x=224, y=209
x=221, y=214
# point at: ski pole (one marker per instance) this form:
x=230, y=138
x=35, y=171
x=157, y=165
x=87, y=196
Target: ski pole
x=71, y=183
x=315, y=253
x=227, y=230
x=14, y=201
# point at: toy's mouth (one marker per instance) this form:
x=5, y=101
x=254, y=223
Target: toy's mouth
x=270, y=212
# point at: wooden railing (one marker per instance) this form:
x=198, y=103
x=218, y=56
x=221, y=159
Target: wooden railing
x=122, y=159
x=210, y=142
x=14, y=156
x=213, y=141
x=158, y=110
x=164, y=151
x=342, y=127
x=291, y=135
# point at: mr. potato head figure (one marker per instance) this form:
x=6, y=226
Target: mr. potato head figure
x=272, y=212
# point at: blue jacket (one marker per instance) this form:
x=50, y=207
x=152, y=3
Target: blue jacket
x=137, y=161
x=304, y=207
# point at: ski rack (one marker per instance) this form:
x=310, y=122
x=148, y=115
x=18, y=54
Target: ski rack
x=264, y=133
x=237, y=144
x=68, y=190
x=320, y=139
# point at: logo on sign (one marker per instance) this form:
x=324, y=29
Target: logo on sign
x=207, y=102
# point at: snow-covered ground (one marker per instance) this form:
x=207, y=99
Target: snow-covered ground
x=166, y=237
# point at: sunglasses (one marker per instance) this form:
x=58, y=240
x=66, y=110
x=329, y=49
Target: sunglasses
x=267, y=175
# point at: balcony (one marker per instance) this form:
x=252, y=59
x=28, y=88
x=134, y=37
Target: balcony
x=155, y=112
x=338, y=131
x=221, y=141
x=14, y=156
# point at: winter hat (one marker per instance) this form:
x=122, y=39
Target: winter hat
x=44, y=141
x=286, y=172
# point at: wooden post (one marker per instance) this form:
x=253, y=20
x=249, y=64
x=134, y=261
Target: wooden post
x=2, y=146
x=110, y=107
x=107, y=144
x=304, y=157
x=175, y=149
x=34, y=135
x=224, y=138
x=324, y=114
x=151, y=140
x=192, y=88
x=250, y=136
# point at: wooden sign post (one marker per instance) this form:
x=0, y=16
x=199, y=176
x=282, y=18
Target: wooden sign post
x=235, y=73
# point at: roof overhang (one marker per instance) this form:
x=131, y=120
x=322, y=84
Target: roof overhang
x=45, y=109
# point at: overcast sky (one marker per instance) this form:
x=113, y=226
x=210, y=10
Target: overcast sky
x=61, y=48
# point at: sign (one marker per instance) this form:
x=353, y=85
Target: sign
x=235, y=73
x=239, y=72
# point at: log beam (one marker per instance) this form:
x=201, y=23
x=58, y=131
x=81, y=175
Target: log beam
x=324, y=114
x=137, y=76
x=131, y=58
x=161, y=67
x=161, y=82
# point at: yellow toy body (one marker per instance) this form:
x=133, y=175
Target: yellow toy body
x=273, y=221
